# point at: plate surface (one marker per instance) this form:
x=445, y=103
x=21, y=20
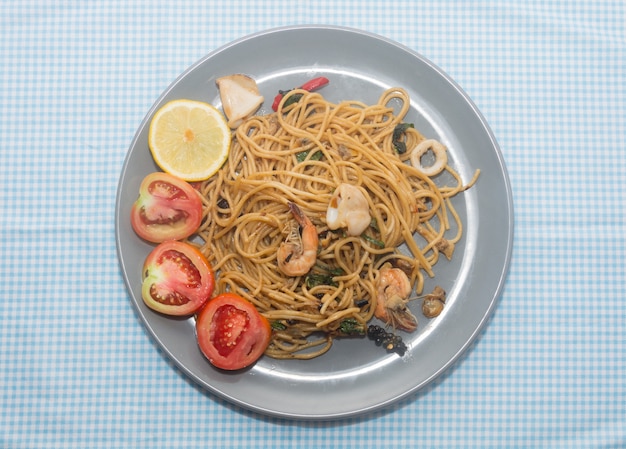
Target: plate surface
x=355, y=376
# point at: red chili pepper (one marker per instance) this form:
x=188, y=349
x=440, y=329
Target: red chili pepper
x=310, y=86
x=315, y=83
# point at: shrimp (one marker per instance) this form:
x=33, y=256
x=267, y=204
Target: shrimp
x=348, y=208
x=298, y=253
x=393, y=288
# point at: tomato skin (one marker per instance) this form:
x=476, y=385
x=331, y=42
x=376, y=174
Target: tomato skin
x=168, y=208
x=231, y=333
x=177, y=279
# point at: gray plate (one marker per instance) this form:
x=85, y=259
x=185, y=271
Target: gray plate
x=355, y=376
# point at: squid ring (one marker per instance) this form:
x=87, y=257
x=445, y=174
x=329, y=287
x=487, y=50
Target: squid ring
x=441, y=157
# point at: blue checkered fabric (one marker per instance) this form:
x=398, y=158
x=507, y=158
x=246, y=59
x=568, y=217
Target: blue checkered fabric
x=77, y=367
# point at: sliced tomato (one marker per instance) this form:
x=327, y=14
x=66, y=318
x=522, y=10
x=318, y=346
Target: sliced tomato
x=231, y=333
x=168, y=208
x=177, y=279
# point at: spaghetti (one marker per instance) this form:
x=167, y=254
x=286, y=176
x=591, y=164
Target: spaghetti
x=300, y=155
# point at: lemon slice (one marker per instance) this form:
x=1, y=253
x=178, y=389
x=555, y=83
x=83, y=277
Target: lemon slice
x=189, y=139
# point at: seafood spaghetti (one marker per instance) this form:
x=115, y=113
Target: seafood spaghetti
x=314, y=203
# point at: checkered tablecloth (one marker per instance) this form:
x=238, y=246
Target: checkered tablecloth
x=79, y=370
